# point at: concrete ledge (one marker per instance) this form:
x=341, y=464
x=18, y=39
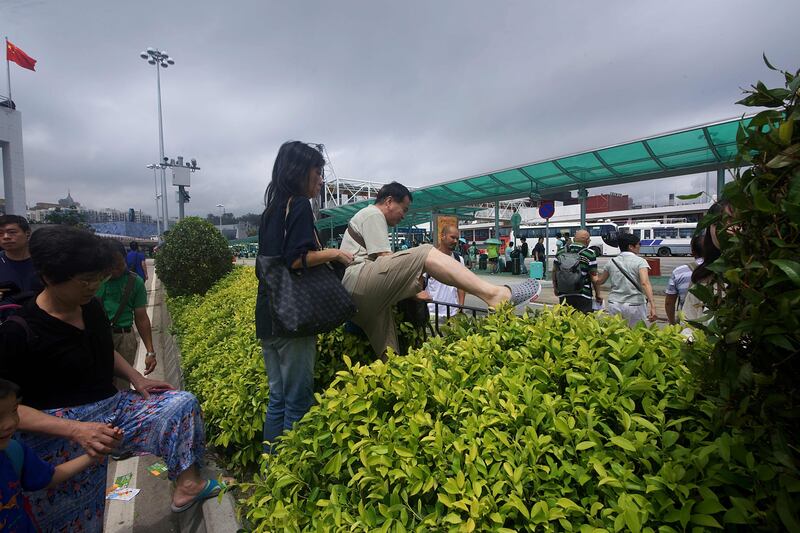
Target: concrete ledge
x=214, y=515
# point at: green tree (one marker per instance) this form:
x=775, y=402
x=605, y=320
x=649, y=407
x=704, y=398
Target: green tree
x=67, y=217
x=193, y=257
x=754, y=370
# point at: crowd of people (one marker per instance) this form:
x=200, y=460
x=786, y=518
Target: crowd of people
x=70, y=396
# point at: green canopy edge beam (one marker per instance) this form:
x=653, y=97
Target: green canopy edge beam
x=605, y=165
x=566, y=172
x=653, y=156
x=711, y=145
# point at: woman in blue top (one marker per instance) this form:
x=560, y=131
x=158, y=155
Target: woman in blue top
x=287, y=229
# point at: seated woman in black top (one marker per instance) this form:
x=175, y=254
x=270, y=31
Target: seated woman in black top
x=59, y=350
x=287, y=229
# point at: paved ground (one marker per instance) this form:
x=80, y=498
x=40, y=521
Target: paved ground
x=150, y=510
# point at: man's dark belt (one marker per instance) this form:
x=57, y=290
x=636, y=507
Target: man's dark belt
x=121, y=330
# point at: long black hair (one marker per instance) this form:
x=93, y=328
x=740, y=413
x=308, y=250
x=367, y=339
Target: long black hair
x=290, y=172
x=710, y=251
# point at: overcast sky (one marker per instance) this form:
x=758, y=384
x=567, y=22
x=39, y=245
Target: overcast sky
x=418, y=91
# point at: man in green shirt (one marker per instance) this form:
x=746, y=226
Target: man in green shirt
x=127, y=289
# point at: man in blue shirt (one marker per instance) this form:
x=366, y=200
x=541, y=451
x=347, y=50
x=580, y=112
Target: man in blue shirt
x=18, y=278
x=136, y=261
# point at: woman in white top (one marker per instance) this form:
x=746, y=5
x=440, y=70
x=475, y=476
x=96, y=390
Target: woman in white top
x=631, y=294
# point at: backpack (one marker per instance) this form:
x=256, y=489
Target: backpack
x=569, y=278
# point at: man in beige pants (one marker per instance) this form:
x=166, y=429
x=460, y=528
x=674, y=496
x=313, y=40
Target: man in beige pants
x=124, y=299
x=378, y=279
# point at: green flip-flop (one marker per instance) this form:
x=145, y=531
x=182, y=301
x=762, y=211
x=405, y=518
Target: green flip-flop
x=211, y=490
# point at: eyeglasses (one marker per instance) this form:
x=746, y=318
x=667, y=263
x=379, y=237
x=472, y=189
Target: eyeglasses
x=86, y=283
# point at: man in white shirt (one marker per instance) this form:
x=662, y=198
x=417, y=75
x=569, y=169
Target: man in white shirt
x=681, y=280
x=441, y=292
x=378, y=279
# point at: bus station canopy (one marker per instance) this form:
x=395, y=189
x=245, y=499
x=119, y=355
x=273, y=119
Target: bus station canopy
x=693, y=150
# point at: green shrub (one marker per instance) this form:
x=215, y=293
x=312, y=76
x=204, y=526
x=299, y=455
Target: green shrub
x=224, y=368
x=754, y=369
x=193, y=257
x=559, y=422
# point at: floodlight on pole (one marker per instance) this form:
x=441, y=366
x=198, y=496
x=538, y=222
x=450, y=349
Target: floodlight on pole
x=161, y=60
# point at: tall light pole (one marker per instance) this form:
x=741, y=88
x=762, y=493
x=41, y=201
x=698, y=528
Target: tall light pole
x=160, y=59
x=221, y=210
x=155, y=182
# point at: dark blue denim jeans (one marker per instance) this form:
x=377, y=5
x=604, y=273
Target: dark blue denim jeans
x=290, y=372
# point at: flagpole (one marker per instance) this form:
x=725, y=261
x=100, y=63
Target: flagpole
x=8, y=74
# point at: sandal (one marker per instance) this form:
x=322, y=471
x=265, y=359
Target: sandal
x=211, y=490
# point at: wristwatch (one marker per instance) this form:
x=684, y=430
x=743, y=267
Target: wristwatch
x=150, y=354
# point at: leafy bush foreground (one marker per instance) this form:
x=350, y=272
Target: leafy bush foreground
x=558, y=421
x=223, y=365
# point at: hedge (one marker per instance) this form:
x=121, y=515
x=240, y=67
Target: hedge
x=224, y=368
x=557, y=421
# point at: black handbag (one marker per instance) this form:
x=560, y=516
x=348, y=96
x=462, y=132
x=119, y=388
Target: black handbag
x=304, y=301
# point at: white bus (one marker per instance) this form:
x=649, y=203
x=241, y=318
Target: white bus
x=596, y=231
x=484, y=230
x=663, y=239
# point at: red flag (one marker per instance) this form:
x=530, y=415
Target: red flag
x=19, y=57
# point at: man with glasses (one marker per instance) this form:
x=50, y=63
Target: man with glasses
x=18, y=279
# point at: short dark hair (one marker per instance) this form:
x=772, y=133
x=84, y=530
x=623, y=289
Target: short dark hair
x=116, y=247
x=697, y=245
x=626, y=240
x=22, y=222
x=59, y=253
x=7, y=388
x=134, y=245
x=395, y=191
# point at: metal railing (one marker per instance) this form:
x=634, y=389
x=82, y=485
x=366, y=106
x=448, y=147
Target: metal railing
x=435, y=320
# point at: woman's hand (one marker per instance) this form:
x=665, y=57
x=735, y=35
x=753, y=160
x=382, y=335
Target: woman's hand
x=651, y=312
x=96, y=438
x=145, y=386
x=345, y=258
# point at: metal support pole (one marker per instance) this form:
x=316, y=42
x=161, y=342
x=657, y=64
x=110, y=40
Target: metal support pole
x=496, y=220
x=158, y=220
x=720, y=182
x=582, y=195
x=164, y=202
x=546, y=243
x=181, y=201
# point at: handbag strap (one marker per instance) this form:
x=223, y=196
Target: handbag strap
x=356, y=236
x=630, y=278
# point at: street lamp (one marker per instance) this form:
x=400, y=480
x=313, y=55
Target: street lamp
x=221, y=211
x=155, y=182
x=160, y=59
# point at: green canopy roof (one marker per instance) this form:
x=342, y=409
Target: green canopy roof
x=690, y=151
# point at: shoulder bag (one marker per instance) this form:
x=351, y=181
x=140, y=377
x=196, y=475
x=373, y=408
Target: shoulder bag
x=304, y=301
x=629, y=277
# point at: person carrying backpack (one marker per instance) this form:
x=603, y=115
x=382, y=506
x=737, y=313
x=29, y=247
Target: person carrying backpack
x=575, y=273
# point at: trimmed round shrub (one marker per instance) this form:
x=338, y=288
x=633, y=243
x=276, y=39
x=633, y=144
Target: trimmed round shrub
x=193, y=257
x=555, y=422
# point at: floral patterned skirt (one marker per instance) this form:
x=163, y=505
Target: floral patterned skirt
x=168, y=425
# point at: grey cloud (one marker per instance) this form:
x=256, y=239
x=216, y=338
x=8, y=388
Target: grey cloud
x=417, y=91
